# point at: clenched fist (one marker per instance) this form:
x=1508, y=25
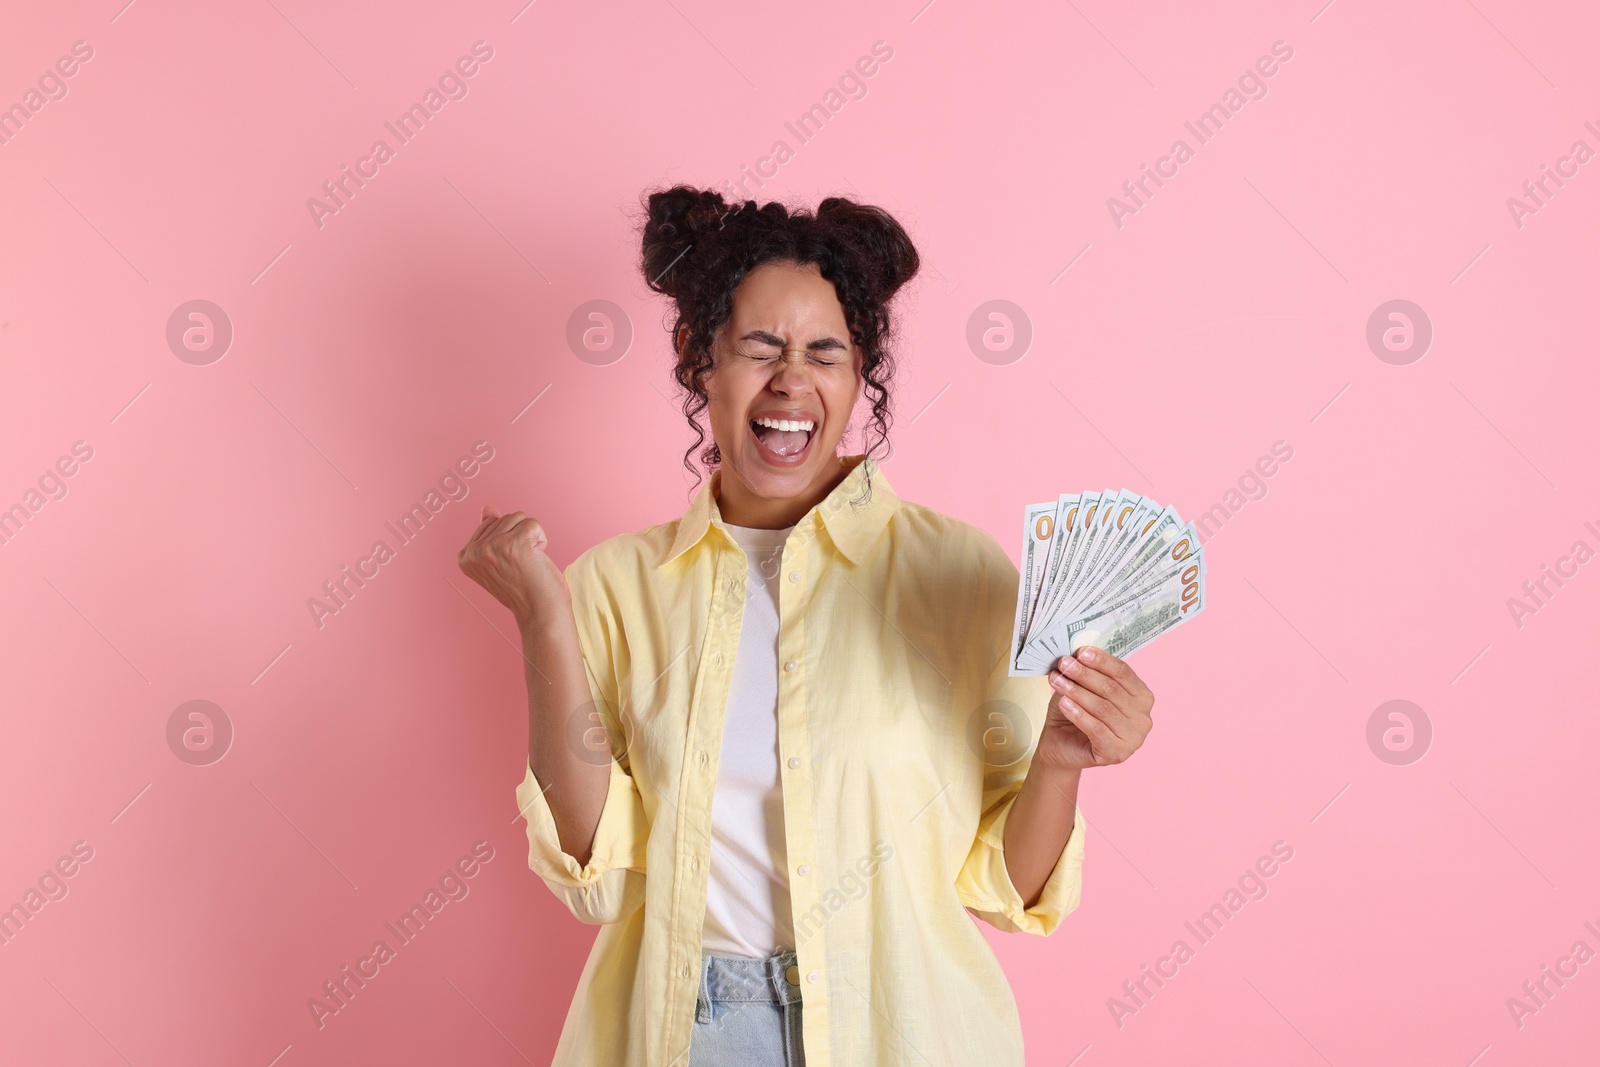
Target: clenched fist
x=506, y=555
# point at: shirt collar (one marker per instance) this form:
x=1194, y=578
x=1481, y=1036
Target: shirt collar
x=851, y=527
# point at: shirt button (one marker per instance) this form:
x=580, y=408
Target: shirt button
x=701, y=758
x=791, y=973
x=794, y=576
x=716, y=657
x=812, y=977
x=694, y=864
x=803, y=870
x=794, y=762
x=685, y=971
x=789, y=666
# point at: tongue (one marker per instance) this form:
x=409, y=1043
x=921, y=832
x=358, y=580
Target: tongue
x=783, y=442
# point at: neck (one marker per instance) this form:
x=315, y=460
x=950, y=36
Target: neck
x=741, y=507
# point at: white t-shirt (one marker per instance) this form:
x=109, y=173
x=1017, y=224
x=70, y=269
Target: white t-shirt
x=747, y=892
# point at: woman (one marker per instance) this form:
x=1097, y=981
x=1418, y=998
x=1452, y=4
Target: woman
x=774, y=747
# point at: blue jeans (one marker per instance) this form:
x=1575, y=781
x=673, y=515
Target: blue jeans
x=747, y=1013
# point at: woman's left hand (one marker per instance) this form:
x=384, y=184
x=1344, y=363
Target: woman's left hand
x=1099, y=711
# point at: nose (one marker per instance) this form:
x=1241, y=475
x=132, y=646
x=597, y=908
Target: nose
x=794, y=375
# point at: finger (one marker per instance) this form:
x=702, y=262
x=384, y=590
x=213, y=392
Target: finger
x=1106, y=663
x=485, y=534
x=504, y=523
x=1091, y=678
x=531, y=528
x=490, y=516
x=1099, y=734
x=1103, y=710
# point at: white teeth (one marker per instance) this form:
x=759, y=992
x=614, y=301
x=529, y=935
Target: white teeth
x=787, y=424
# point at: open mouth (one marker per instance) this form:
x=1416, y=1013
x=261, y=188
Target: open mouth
x=783, y=442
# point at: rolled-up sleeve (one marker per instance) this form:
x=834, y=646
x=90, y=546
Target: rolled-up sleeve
x=983, y=883
x=610, y=886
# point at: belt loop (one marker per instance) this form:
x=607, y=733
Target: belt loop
x=791, y=1008
x=702, y=1000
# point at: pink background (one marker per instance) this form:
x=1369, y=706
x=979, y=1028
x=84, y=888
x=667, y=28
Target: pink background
x=1227, y=314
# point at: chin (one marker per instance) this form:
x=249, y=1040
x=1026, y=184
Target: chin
x=766, y=480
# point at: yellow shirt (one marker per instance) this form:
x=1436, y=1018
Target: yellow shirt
x=903, y=743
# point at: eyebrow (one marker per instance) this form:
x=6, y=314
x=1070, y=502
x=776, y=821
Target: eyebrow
x=772, y=339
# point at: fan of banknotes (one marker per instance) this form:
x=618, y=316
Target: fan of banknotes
x=1112, y=570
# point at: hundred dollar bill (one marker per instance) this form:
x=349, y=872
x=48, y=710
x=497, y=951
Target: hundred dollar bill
x=1123, y=629
x=1038, y=529
x=1105, y=531
x=1068, y=529
x=1123, y=573
x=1112, y=569
x=1041, y=652
x=1095, y=527
x=1080, y=525
x=1176, y=594
x=1125, y=522
x=1095, y=577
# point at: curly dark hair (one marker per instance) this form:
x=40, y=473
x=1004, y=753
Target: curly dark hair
x=697, y=248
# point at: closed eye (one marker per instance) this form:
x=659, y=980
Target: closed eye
x=817, y=358
x=762, y=347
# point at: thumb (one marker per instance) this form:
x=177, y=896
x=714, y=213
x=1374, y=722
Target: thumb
x=489, y=512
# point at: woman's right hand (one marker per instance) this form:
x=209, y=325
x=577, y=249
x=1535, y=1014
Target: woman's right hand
x=506, y=555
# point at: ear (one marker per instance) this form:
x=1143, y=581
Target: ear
x=682, y=339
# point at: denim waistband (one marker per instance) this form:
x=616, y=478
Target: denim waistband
x=773, y=980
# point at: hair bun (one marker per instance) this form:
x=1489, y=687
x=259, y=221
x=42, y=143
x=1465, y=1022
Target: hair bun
x=886, y=251
x=676, y=219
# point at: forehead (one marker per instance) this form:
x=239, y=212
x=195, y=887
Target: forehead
x=789, y=295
